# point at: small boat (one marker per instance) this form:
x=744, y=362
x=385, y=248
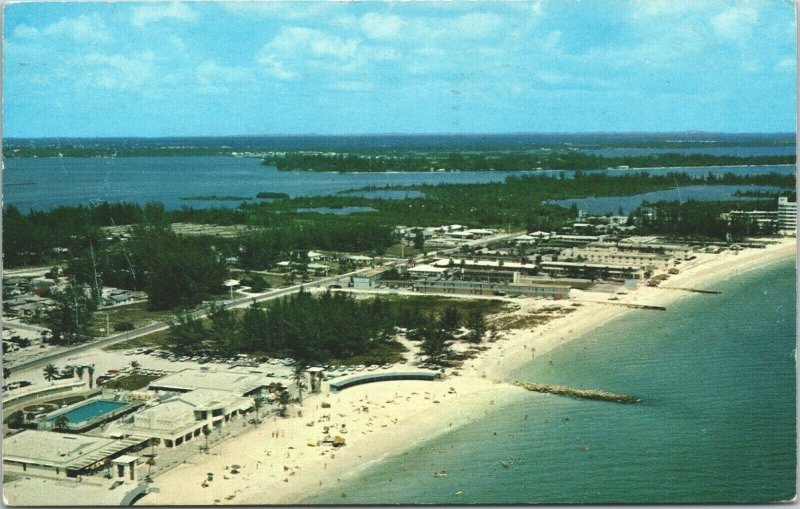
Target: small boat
x=442, y=473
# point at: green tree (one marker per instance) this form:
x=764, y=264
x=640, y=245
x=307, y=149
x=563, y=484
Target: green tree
x=258, y=402
x=419, y=241
x=450, y=320
x=71, y=317
x=50, y=372
x=135, y=365
x=435, y=345
x=284, y=398
x=476, y=324
x=299, y=379
x=186, y=334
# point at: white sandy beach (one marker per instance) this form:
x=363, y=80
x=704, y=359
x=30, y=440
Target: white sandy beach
x=279, y=467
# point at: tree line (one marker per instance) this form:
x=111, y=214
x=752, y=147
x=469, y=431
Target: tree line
x=331, y=327
x=502, y=161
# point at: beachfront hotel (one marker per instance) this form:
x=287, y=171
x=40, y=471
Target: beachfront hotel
x=787, y=214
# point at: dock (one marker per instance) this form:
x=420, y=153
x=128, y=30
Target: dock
x=563, y=390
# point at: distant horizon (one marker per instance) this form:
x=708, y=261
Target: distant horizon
x=357, y=134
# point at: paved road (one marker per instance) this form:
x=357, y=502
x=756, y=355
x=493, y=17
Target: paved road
x=239, y=302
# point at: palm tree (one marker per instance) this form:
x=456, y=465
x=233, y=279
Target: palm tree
x=50, y=372
x=258, y=402
x=319, y=381
x=283, y=401
x=135, y=365
x=80, y=370
x=206, y=432
x=90, y=370
x=299, y=379
x=61, y=422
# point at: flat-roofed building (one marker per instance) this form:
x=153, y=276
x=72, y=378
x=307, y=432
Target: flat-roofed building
x=457, y=263
x=425, y=270
x=240, y=382
x=592, y=270
x=368, y=278
x=183, y=417
x=787, y=214
x=50, y=454
x=616, y=256
x=486, y=288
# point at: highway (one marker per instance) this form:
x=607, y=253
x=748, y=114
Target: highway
x=341, y=279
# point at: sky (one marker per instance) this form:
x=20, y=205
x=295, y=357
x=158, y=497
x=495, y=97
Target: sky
x=224, y=68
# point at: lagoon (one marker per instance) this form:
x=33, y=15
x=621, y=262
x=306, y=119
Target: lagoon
x=46, y=183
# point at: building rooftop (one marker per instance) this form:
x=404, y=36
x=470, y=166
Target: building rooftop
x=235, y=381
x=445, y=262
x=60, y=450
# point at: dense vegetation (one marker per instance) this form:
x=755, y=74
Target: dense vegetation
x=331, y=327
x=502, y=161
x=270, y=195
x=175, y=271
x=276, y=229
x=698, y=219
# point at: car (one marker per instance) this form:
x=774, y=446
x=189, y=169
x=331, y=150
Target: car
x=334, y=286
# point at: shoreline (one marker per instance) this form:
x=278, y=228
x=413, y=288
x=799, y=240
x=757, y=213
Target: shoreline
x=632, y=168
x=283, y=469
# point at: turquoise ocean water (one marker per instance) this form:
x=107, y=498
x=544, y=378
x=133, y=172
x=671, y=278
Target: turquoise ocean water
x=717, y=424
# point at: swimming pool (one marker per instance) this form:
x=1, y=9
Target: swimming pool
x=88, y=411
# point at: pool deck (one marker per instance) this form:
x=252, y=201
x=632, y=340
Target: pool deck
x=47, y=422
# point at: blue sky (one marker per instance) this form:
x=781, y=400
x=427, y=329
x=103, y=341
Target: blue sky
x=168, y=69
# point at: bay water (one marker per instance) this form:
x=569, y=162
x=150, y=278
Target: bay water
x=45, y=183
x=716, y=375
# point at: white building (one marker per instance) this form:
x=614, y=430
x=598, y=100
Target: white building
x=50, y=454
x=615, y=256
x=787, y=214
x=240, y=382
x=183, y=417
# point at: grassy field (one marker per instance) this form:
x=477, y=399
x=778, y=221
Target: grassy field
x=155, y=339
x=131, y=382
x=405, y=252
x=137, y=314
x=437, y=304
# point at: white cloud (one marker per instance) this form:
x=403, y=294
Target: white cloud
x=142, y=15
x=476, y=25
x=786, y=64
x=178, y=43
x=551, y=41
x=735, y=23
x=84, y=28
x=112, y=72
x=24, y=31
x=379, y=26
x=210, y=72
x=278, y=9
x=315, y=42
x=354, y=86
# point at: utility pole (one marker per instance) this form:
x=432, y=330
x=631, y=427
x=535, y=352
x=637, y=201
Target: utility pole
x=94, y=268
